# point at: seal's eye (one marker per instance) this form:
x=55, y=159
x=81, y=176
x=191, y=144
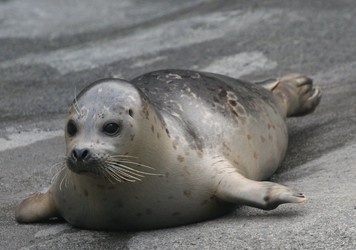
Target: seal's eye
x=111, y=128
x=71, y=128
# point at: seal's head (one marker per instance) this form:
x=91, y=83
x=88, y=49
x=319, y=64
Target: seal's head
x=101, y=128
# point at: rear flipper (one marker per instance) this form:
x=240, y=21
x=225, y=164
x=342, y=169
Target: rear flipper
x=37, y=207
x=297, y=94
x=237, y=189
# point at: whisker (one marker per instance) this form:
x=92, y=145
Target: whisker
x=114, y=173
x=126, y=170
x=63, y=178
x=137, y=164
x=76, y=108
x=110, y=178
x=57, y=174
x=110, y=174
x=123, y=156
x=123, y=173
x=131, y=169
x=67, y=179
x=106, y=175
x=61, y=164
x=75, y=103
x=130, y=172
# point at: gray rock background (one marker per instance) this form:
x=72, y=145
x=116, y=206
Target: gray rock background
x=50, y=50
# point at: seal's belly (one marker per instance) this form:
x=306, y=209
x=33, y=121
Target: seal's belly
x=153, y=203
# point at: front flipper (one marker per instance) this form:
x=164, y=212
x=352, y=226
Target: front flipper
x=37, y=207
x=237, y=189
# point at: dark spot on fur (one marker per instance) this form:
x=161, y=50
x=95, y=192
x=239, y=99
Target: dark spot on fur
x=158, y=135
x=167, y=131
x=132, y=137
x=145, y=111
x=111, y=187
x=223, y=93
x=233, y=103
x=86, y=192
x=255, y=155
x=263, y=139
x=100, y=186
x=266, y=198
x=180, y=158
x=249, y=137
x=175, y=142
x=215, y=99
x=152, y=129
x=75, y=187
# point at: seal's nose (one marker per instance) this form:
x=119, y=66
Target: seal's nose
x=80, y=154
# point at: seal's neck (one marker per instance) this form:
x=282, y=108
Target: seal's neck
x=153, y=140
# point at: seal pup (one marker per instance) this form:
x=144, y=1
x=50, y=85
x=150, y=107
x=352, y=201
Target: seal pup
x=172, y=147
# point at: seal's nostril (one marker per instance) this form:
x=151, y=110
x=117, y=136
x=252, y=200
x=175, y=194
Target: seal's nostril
x=74, y=155
x=85, y=153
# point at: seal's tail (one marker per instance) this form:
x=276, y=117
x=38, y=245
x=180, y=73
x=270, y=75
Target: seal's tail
x=298, y=95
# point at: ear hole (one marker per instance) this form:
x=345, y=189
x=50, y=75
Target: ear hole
x=131, y=113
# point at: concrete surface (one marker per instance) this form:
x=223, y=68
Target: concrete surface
x=49, y=50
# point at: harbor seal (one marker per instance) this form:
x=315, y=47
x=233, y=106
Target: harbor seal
x=172, y=147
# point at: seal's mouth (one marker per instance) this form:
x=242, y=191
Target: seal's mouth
x=84, y=167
